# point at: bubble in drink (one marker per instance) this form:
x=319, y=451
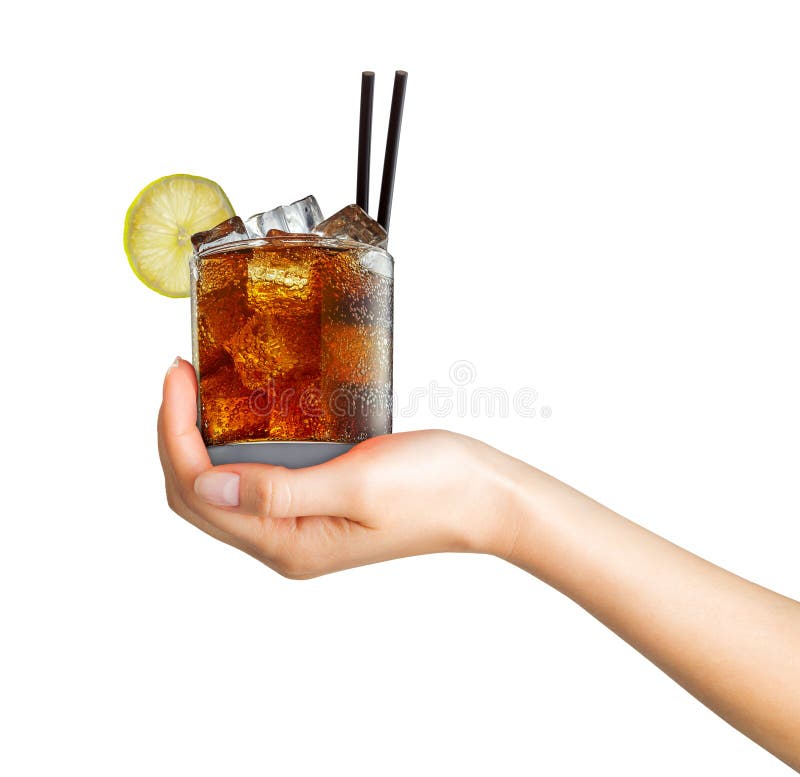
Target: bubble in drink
x=278, y=277
x=353, y=223
x=221, y=316
x=229, y=412
x=357, y=348
x=356, y=329
x=359, y=411
x=355, y=353
x=220, y=306
x=299, y=217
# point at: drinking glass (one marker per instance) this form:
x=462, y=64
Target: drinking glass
x=292, y=345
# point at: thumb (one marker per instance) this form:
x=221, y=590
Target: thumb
x=332, y=488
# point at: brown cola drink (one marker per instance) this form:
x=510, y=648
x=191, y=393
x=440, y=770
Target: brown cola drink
x=292, y=340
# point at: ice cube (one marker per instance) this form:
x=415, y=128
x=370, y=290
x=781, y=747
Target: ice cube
x=274, y=345
x=353, y=223
x=228, y=410
x=273, y=279
x=298, y=412
x=301, y=216
x=220, y=315
x=227, y=232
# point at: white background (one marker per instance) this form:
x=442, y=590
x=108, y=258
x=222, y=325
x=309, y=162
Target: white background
x=597, y=200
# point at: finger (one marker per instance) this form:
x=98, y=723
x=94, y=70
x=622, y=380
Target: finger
x=332, y=488
x=179, y=438
x=184, y=456
x=176, y=428
x=197, y=520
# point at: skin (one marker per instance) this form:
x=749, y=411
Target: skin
x=732, y=644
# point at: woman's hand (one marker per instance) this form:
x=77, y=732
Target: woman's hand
x=729, y=642
x=389, y=497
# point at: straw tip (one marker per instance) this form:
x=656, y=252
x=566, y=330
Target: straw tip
x=368, y=74
x=401, y=74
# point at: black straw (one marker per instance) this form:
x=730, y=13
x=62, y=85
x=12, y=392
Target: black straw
x=392, y=145
x=364, y=139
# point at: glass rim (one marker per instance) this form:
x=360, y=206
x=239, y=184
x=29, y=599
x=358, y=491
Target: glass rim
x=292, y=239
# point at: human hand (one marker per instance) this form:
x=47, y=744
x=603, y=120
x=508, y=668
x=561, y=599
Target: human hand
x=388, y=497
x=731, y=643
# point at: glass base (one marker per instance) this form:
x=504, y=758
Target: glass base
x=284, y=454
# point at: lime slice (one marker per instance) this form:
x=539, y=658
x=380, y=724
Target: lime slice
x=159, y=226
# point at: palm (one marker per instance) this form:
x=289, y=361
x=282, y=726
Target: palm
x=389, y=496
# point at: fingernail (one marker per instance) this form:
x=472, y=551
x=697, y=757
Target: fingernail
x=174, y=364
x=218, y=488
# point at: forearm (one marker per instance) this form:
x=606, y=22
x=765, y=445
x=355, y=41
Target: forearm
x=732, y=644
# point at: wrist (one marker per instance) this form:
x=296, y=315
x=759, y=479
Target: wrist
x=501, y=508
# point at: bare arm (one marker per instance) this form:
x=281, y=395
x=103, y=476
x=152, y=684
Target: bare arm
x=732, y=644
x=729, y=642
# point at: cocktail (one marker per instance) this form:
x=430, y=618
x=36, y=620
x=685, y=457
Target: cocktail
x=291, y=317
x=292, y=343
